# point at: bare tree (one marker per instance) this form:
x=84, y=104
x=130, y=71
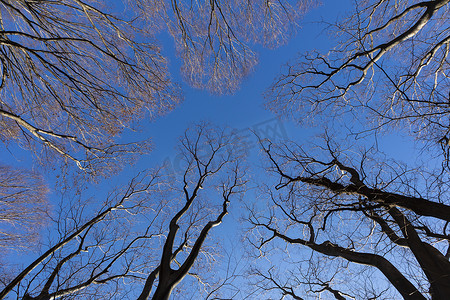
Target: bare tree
x=74, y=76
x=23, y=207
x=356, y=211
x=86, y=248
x=360, y=210
x=214, y=38
x=146, y=237
x=207, y=154
x=390, y=66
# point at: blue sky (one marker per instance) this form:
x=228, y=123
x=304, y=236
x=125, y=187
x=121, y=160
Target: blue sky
x=244, y=108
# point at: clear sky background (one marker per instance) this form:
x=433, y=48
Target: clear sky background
x=245, y=108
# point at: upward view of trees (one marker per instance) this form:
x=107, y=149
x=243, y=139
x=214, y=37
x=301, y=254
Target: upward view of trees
x=76, y=75
x=94, y=254
x=332, y=218
x=390, y=66
x=72, y=77
x=379, y=227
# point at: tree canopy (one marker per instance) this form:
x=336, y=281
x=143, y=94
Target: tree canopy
x=75, y=74
x=350, y=204
x=330, y=216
